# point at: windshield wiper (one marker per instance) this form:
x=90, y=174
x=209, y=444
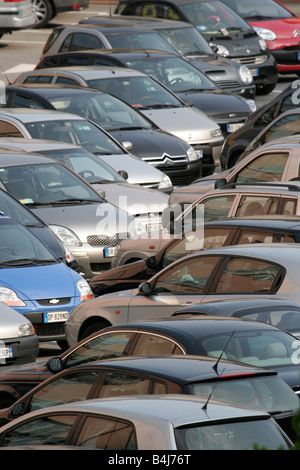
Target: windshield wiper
x=27, y=261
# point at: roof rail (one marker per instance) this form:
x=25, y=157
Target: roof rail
x=289, y=185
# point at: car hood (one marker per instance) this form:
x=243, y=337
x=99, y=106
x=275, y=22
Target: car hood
x=19, y=368
x=283, y=28
x=132, y=198
x=216, y=102
x=40, y=282
x=240, y=44
x=186, y=123
x=85, y=219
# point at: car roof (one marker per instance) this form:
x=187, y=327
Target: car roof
x=142, y=21
x=105, y=27
x=33, y=145
x=27, y=115
x=47, y=90
x=280, y=222
x=119, y=53
x=14, y=157
x=89, y=71
x=181, y=369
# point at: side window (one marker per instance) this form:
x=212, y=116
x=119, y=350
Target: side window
x=101, y=347
x=267, y=167
x=48, y=430
x=257, y=205
x=188, y=277
x=153, y=344
x=217, y=208
x=247, y=275
x=107, y=434
x=284, y=127
x=9, y=130
x=68, y=81
x=118, y=384
x=254, y=236
x=38, y=79
x=66, y=44
x=26, y=102
x=81, y=41
x=288, y=206
x=287, y=104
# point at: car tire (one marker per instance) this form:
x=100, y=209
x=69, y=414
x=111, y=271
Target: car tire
x=93, y=328
x=43, y=11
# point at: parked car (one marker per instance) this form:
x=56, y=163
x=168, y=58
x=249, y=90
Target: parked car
x=132, y=198
x=277, y=25
x=145, y=94
x=127, y=274
x=283, y=154
x=19, y=343
x=124, y=122
x=46, y=10
x=67, y=127
x=36, y=283
x=238, y=141
x=16, y=15
x=261, y=270
x=190, y=43
x=76, y=213
x=233, y=383
x=173, y=422
x=220, y=26
x=281, y=313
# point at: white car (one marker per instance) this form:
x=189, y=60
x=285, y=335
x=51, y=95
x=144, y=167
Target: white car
x=18, y=342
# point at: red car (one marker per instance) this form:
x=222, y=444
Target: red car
x=277, y=25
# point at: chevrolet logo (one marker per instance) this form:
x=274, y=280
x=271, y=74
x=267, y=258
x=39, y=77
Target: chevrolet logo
x=53, y=301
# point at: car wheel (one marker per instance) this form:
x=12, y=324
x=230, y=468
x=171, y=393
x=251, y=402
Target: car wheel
x=43, y=11
x=265, y=90
x=6, y=401
x=93, y=328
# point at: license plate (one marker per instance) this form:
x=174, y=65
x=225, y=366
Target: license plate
x=254, y=72
x=199, y=153
x=109, y=252
x=51, y=317
x=234, y=127
x=153, y=227
x=6, y=353
x=298, y=55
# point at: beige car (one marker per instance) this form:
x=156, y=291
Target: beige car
x=241, y=201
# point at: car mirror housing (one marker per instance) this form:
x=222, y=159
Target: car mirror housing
x=17, y=409
x=220, y=183
x=151, y=262
x=124, y=174
x=144, y=288
x=127, y=145
x=54, y=364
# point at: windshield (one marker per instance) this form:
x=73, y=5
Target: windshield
x=231, y=435
x=137, y=91
x=186, y=40
x=81, y=132
x=49, y=183
x=107, y=111
x=19, y=247
x=213, y=17
x=268, y=393
x=258, y=10
x=12, y=208
x=257, y=347
x=173, y=72
x=139, y=40
x=86, y=164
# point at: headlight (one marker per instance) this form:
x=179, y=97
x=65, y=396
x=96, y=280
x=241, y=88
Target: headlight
x=216, y=133
x=66, y=235
x=245, y=75
x=263, y=44
x=252, y=105
x=9, y=297
x=222, y=50
x=191, y=154
x=165, y=182
x=26, y=330
x=266, y=34
x=84, y=289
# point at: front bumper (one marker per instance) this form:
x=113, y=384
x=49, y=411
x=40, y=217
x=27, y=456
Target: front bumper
x=288, y=59
x=22, y=350
x=264, y=69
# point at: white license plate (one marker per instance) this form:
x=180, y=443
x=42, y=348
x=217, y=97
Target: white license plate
x=6, y=353
x=109, y=252
x=234, y=127
x=153, y=227
x=254, y=72
x=51, y=317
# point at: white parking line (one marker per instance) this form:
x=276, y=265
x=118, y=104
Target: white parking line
x=20, y=68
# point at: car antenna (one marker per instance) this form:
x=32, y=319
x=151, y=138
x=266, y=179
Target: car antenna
x=215, y=367
x=204, y=407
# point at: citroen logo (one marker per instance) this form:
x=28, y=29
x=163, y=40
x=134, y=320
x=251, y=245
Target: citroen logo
x=296, y=33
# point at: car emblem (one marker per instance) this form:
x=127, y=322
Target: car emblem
x=232, y=115
x=248, y=51
x=53, y=301
x=296, y=33
x=166, y=159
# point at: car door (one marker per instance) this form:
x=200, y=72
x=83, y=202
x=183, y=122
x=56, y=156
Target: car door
x=183, y=283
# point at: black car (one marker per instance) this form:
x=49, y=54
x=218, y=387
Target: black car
x=189, y=42
x=185, y=80
x=211, y=378
x=237, y=142
x=220, y=26
x=215, y=234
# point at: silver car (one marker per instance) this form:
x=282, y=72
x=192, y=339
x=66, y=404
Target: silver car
x=224, y=273
x=45, y=10
x=18, y=342
x=86, y=223
x=15, y=15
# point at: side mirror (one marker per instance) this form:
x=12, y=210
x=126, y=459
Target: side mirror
x=151, y=262
x=124, y=174
x=17, y=409
x=54, y=364
x=127, y=145
x=220, y=183
x=144, y=288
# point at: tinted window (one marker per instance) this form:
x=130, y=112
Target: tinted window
x=153, y=344
x=257, y=236
x=267, y=167
x=21, y=101
x=218, y=207
x=119, y=384
x=38, y=79
x=257, y=205
x=9, y=130
x=81, y=41
x=286, y=126
x=66, y=80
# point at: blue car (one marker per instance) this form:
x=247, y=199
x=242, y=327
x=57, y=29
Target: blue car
x=37, y=283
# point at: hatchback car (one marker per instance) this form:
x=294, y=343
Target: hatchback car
x=46, y=10
x=277, y=25
x=190, y=43
x=16, y=15
x=76, y=213
x=19, y=343
x=220, y=26
x=136, y=87
x=36, y=283
x=173, y=422
x=261, y=270
x=230, y=382
x=124, y=122
x=161, y=149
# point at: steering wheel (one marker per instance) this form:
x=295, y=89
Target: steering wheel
x=86, y=173
x=213, y=19
x=144, y=99
x=176, y=81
